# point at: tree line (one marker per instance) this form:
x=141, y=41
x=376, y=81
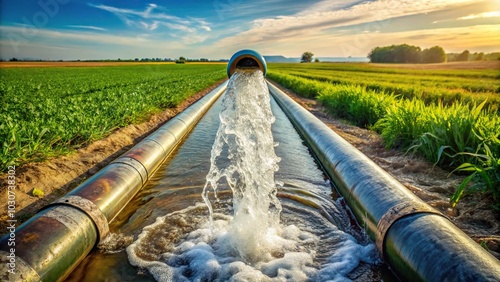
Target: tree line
x=405, y=53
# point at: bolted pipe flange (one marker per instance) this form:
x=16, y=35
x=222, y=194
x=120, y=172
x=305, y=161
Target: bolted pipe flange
x=87, y=206
x=394, y=214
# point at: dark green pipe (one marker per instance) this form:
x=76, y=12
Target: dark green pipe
x=416, y=241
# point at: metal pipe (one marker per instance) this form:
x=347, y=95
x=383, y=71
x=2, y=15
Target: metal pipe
x=246, y=59
x=416, y=241
x=52, y=243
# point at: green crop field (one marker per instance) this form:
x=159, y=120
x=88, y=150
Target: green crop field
x=446, y=86
x=450, y=117
x=52, y=110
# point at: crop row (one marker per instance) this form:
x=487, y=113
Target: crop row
x=434, y=86
x=50, y=111
x=460, y=136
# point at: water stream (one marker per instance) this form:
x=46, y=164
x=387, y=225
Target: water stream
x=256, y=207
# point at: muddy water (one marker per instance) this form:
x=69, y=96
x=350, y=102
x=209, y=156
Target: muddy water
x=324, y=241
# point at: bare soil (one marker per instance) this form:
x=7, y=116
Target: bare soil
x=58, y=176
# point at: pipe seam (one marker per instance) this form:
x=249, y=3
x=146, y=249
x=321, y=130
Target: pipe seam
x=135, y=164
x=156, y=141
x=394, y=214
x=177, y=128
x=163, y=137
x=89, y=208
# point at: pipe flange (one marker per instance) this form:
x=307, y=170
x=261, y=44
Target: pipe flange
x=91, y=209
x=394, y=214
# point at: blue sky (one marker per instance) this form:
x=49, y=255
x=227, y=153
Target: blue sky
x=102, y=29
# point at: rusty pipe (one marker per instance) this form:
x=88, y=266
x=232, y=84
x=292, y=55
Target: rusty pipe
x=52, y=243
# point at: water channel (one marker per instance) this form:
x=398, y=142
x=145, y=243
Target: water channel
x=166, y=233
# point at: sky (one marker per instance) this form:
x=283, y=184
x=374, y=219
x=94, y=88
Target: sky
x=216, y=29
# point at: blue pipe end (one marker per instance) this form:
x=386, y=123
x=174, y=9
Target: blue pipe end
x=246, y=59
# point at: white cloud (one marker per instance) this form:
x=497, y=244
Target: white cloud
x=146, y=14
x=153, y=17
x=72, y=36
x=494, y=14
x=325, y=15
x=482, y=38
x=74, y=44
x=153, y=31
x=87, y=27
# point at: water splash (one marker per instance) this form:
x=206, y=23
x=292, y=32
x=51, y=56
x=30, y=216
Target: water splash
x=245, y=140
x=251, y=244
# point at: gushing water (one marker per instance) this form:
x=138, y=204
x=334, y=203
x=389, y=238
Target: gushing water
x=243, y=239
x=245, y=134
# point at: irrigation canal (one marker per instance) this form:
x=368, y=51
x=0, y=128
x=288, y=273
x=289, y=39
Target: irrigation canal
x=327, y=237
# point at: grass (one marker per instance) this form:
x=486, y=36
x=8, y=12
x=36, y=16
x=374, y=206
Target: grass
x=49, y=111
x=461, y=135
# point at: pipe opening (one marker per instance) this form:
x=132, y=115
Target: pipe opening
x=246, y=59
x=247, y=63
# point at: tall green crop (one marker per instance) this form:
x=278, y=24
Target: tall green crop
x=461, y=136
x=49, y=111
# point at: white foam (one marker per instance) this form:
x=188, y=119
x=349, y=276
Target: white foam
x=252, y=244
x=205, y=254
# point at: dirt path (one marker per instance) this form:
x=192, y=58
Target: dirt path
x=58, y=176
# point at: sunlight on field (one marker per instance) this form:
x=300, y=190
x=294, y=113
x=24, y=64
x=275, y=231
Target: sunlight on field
x=50, y=110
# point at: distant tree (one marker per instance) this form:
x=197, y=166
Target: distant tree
x=306, y=57
x=181, y=60
x=14, y=60
x=479, y=56
x=434, y=54
x=464, y=56
x=136, y=59
x=316, y=60
x=401, y=54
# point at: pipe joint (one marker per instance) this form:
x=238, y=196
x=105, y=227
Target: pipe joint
x=89, y=208
x=394, y=214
